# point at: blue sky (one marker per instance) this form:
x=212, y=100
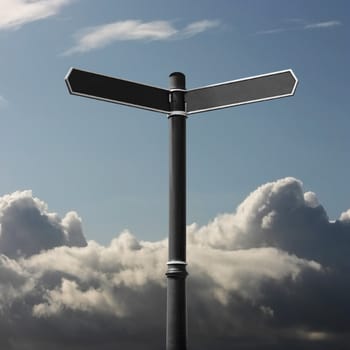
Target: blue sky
x=84, y=183
x=109, y=162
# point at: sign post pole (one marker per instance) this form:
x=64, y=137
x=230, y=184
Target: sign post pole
x=176, y=324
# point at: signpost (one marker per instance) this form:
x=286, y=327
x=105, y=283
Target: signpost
x=178, y=102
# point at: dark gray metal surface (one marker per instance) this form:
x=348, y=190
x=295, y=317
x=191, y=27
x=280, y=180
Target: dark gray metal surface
x=177, y=188
x=236, y=92
x=101, y=87
x=176, y=332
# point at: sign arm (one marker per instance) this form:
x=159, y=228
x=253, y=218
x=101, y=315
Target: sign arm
x=125, y=92
x=242, y=91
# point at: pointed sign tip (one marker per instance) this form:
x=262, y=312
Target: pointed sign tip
x=295, y=83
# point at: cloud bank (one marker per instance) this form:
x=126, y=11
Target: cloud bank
x=15, y=13
x=100, y=36
x=271, y=275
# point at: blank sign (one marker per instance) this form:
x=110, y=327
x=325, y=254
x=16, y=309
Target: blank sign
x=236, y=92
x=101, y=87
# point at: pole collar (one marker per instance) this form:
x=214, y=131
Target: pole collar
x=177, y=113
x=176, y=262
x=177, y=89
x=176, y=269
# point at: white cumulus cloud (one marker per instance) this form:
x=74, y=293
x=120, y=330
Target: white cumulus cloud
x=27, y=227
x=15, y=13
x=345, y=216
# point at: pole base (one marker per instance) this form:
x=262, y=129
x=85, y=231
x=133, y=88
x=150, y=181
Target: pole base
x=176, y=306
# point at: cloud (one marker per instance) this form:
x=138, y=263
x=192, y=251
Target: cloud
x=320, y=25
x=100, y=36
x=26, y=226
x=199, y=27
x=15, y=13
x=271, y=275
x=345, y=217
x=299, y=24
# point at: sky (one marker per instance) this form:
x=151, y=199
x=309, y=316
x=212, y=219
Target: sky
x=84, y=183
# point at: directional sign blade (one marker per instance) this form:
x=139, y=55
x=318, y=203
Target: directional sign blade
x=116, y=90
x=236, y=92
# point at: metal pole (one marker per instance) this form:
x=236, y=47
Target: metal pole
x=176, y=334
